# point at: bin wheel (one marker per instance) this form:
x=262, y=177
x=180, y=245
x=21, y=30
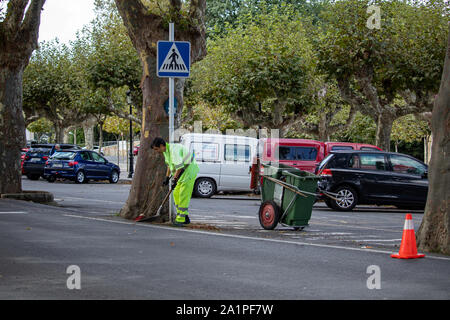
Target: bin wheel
x=269, y=215
x=298, y=228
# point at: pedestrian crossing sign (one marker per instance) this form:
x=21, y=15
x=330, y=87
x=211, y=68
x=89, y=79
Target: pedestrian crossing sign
x=174, y=59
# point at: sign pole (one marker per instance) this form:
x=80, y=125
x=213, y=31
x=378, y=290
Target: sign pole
x=171, y=111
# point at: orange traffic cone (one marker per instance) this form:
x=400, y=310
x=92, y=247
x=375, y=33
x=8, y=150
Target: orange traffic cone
x=408, y=248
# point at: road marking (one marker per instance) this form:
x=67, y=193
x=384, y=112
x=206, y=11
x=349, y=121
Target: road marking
x=375, y=240
x=355, y=227
x=298, y=243
x=13, y=212
x=95, y=200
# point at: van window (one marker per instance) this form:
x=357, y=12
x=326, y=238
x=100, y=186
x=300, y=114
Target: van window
x=336, y=148
x=291, y=153
x=237, y=152
x=205, y=151
x=372, y=161
x=368, y=149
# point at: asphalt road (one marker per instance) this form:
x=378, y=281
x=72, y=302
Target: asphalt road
x=119, y=259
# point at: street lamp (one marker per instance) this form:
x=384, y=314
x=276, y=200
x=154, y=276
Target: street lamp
x=130, y=103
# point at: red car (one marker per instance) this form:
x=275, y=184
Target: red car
x=136, y=150
x=22, y=158
x=304, y=154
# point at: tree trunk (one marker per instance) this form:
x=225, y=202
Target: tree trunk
x=12, y=130
x=66, y=135
x=146, y=192
x=18, y=39
x=145, y=29
x=100, y=137
x=59, y=131
x=433, y=234
x=88, y=128
x=384, y=129
x=428, y=142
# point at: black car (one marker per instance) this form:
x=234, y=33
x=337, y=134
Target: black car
x=368, y=177
x=36, y=157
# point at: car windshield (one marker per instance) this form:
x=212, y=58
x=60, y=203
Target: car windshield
x=66, y=155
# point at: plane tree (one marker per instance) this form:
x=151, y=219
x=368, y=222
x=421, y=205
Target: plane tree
x=19, y=29
x=390, y=71
x=434, y=232
x=262, y=73
x=148, y=22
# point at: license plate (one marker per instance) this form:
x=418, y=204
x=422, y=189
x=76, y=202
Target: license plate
x=57, y=165
x=35, y=159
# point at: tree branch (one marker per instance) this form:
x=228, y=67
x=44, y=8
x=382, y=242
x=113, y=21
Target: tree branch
x=14, y=14
x=30, y=25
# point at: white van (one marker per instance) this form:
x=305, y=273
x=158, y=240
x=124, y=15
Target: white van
x=224, y=162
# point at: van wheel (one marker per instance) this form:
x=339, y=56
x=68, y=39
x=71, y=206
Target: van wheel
x=205, y=188
x=347, y=198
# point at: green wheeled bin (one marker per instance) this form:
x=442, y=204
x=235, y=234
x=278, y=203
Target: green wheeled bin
x=288, y=195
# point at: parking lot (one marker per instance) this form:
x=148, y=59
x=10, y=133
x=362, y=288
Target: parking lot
x=366, y=227
x=224, y=253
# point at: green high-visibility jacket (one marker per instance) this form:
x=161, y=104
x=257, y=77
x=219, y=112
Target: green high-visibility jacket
x=178, y=156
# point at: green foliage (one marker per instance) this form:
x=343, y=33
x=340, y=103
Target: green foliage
x=261, y=72
x=406, y=53
x=43, y=125
x=409, y=129
x=49, y=84
x=223, y=15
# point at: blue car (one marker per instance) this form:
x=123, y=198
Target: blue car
x=80, y=166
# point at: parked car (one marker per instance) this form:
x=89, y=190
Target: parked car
x=367, y=177
x=96, y=149
x=304, y=154
x=34, y=162
x=136, y=150
x=23, y=152
x=37, y=155
x=80, y=166
x=224, y=162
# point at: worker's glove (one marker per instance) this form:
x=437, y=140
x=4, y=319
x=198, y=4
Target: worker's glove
x=166, y=181
x=174, y=183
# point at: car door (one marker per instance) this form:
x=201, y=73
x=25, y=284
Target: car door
x=375, y=177
x=234, y=170
x=89, y=165
x=102, y=169
x=409, y=182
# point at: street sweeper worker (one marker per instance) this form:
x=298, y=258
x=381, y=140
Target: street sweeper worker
x=181, y=164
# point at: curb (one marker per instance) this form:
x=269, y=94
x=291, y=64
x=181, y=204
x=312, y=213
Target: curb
x=43, y=197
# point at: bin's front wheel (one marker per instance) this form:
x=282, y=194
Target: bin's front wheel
x=269, y=215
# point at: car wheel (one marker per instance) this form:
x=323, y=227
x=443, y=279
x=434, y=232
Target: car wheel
x=204, y=188
x=51, y=179
x=346, y=199
x=33, y=176
x=269, y=215
x=81, y=177
x=114, y=177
